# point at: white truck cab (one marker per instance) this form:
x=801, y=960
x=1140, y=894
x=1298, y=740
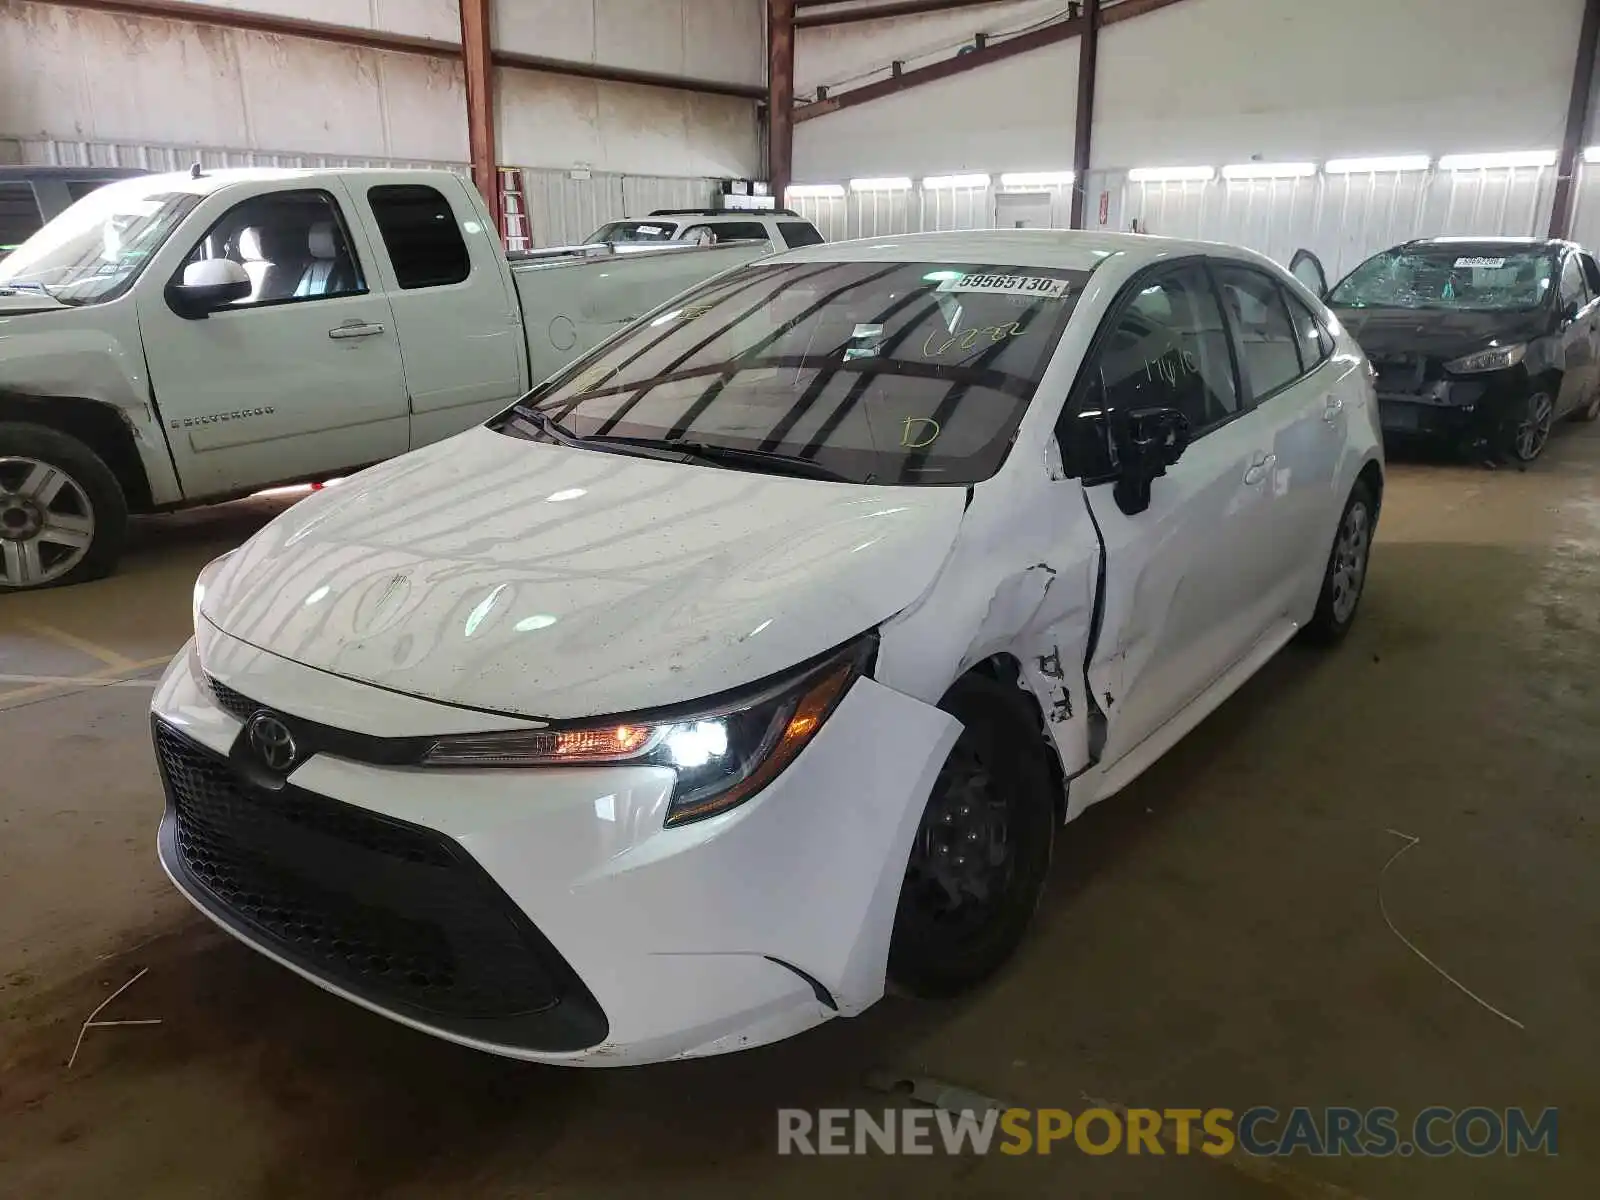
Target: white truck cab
x=179, y=339
x=782, y=229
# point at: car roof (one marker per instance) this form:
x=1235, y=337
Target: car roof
x=1507, y=243
x=1071, y=249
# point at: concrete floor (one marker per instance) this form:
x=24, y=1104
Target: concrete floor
x=1211, y=937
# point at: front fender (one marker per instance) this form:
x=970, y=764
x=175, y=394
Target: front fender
x=92, y=353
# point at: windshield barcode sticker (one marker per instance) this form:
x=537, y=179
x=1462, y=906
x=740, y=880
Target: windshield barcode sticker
x=1490, y=263
x=1035, y=286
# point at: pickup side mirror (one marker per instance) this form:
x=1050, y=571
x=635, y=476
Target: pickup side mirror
x=1570, y=311
x=207, y=285
x=1144, y=443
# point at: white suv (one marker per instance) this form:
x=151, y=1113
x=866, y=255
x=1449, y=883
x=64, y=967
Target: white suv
x=784, y=229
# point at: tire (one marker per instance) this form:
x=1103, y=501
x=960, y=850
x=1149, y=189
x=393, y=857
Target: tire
x=63, y=517
x=1345, y=576
x=947, y=936
x=1592, y=413
x=1533, y=427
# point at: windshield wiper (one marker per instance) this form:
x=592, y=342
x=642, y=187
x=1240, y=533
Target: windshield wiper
x=708, y=452
x=548, y=426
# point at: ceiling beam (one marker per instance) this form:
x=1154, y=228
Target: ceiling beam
x=995, y=51
x=884, y=12
x=1583, y=72
x=398, y=43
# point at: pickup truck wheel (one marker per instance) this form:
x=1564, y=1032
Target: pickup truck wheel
x=1345, y=576
x=1591, y=413
x=982, y=849
x=62, y=513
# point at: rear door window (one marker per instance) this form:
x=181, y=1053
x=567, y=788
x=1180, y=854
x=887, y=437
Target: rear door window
x=730, y=231
x=1268, y=342
x=419, y=232
x=799, y=233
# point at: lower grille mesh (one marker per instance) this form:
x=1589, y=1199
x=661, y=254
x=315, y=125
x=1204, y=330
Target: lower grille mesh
x=385, y=909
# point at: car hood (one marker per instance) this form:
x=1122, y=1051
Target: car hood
x=1392, y=332
x=15, y=302
x=521, y=577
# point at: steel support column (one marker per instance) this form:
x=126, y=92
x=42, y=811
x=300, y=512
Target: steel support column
x=780, y=96
x=1088, y=57
x=477, y=59
x=1577, y=122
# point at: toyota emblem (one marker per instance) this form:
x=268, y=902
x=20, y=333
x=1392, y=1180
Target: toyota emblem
x=271, y=740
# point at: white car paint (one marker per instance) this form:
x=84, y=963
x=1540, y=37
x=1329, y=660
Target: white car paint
x=496, y=584
x=257, y=395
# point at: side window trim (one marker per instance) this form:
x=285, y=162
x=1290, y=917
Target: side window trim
x=363, y=287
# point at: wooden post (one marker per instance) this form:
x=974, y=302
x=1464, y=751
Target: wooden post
x=476, y=57
x=780, y=96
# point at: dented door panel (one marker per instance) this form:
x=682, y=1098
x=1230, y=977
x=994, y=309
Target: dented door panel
x=1020, y=581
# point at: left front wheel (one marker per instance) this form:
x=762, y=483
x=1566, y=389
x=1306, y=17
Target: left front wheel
x=982, y=849
x=62, y=513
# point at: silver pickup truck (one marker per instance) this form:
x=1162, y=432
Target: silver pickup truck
x=174, y=340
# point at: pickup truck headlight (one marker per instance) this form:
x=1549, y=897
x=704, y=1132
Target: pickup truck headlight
x=1496, y=358
x=724, y=750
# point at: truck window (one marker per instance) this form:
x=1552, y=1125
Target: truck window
x=800, y=233
x=19, y=215
x=79, y=188
x=419, y=232
x=731, y=231
x=293, y=246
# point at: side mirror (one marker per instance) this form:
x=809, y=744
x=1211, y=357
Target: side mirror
x=1144, y=444
x=1570, y=311
x=208, y=285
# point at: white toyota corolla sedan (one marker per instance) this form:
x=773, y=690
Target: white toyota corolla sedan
x=748, y=665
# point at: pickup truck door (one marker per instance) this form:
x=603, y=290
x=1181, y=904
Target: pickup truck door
x=454, y=306
x=1178, y=604
x=300, y=379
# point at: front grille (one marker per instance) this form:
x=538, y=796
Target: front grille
x=234, y=703
x=387, y=910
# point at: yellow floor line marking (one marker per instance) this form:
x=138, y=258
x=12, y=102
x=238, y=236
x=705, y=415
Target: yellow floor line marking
x=117, y=662
x=78, y=682
x=75, y=681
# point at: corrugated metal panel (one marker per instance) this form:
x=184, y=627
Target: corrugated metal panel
x=1586, y=213
x=643, y=194
x=564, y=210
x=156, y=157
x=956, y=208
x=1345, y=218
x=830, y=214
x=882, y=213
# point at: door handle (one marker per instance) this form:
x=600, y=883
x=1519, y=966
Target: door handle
x=355, y=329
x=1332, y=409
x=1258, y=469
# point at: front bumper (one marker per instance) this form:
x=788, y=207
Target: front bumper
x=1428, y=404
x=543, y=914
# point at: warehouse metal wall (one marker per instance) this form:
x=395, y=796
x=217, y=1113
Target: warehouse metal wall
x=1343, y=218
x=72, y=74
x=563, y=209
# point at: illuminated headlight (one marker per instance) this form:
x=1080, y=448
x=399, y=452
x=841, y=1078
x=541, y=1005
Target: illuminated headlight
x=1496, y=358
x=723, y=750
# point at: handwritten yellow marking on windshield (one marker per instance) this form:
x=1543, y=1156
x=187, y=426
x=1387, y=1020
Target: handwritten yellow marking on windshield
x=971, y=338
x=917, y=442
